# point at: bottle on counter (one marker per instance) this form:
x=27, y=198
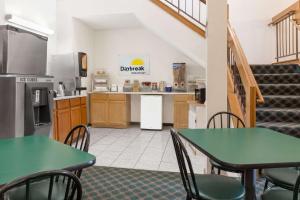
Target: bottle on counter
x=162, y=85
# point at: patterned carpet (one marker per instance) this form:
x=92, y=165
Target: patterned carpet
x=106, y=183
x=280, y=86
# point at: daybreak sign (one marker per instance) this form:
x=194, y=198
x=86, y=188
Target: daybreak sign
x=134, y=65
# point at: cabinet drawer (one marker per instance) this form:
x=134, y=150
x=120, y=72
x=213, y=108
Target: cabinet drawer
x=100, y=97
x=75, y=102
x=117, y=97
x=183, y=97
x=83, y=100
x=62, y=104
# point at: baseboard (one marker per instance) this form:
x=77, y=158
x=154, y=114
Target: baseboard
x=138, y=123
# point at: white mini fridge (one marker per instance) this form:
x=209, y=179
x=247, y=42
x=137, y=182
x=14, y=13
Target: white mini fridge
x=151, y=112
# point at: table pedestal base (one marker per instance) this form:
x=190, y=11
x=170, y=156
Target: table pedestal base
x=250, y=184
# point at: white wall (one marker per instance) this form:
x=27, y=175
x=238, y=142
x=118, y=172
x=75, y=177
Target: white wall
x=84, y=41
x=168, y=28
x=250, y=19
x=40, y=12
x=2, y=11
x=112, y=43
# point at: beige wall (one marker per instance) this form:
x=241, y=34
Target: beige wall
x=216, y=57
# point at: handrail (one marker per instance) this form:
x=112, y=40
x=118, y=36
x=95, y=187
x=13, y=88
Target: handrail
x=180, y=14
x=243, y=65
x=190, y=10
x=283, y=14
x=242, y=86
x=287, y=34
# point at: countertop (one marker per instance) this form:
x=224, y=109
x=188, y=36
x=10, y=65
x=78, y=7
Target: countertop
x=149, y=93
x=68, y=97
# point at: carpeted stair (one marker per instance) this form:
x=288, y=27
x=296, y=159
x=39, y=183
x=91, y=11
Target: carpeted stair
x=280, y=86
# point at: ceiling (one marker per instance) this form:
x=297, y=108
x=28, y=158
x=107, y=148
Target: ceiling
x=113, y=21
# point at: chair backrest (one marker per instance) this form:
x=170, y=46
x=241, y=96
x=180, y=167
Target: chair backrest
x=23, y=188
x=225, y=120
x=185, y=166
x=79, y=138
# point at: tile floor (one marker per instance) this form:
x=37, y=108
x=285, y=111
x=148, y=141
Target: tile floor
x=139, y=149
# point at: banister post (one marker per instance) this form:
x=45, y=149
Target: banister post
x=251, y=107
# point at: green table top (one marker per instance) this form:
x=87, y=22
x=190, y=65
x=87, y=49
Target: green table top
x=24, y=156
x=249, y=148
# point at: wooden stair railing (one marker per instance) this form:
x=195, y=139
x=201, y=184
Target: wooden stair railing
x=191, y=16
x=287, y=24
x=243, y=90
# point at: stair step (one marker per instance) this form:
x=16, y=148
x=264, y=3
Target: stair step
x=283, y=127
x=278, y=101
x=278, y=115
x=280, y=89
x=293, y=78
x=275, y=69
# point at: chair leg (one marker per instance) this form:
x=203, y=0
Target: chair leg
x=212, y=170
x=219, y=171
x=266, y=185
x=188, y=197
x=242, y=178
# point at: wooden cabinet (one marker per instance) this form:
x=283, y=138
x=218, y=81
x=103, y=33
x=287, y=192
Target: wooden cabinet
x=67, y=114
x=63, y=124
x=75, y=116
x=117, y=113
x=110, y=110
x=181, y=110
x=99, y=113
x=83, y=114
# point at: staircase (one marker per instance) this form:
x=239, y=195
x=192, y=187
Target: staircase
x=280, y=86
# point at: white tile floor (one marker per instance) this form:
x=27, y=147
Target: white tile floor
x=139, y=149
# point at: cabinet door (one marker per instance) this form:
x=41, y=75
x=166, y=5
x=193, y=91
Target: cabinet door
x=181, y=110
x=75, y=116
x=99, y=112
x=63, y=124
x=117, y=114
x=54, y=126
x=83, y=115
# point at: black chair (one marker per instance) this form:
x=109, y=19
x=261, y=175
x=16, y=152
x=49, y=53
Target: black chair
x=277, y=193
x=281, y=177
x=210, y=187
x=43, y=186
x=218, y=121
x=79, y=138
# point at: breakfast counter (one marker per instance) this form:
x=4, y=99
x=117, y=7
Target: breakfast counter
x=117, y=109
x=68, y=112
x=68, y=97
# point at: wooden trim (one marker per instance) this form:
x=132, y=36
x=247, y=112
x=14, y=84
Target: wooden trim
x=294, y=61
x=251, y=107
x=291, y=9
x=252, y=91
x=182, y=19
x=233, y=100
x=245, y=71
